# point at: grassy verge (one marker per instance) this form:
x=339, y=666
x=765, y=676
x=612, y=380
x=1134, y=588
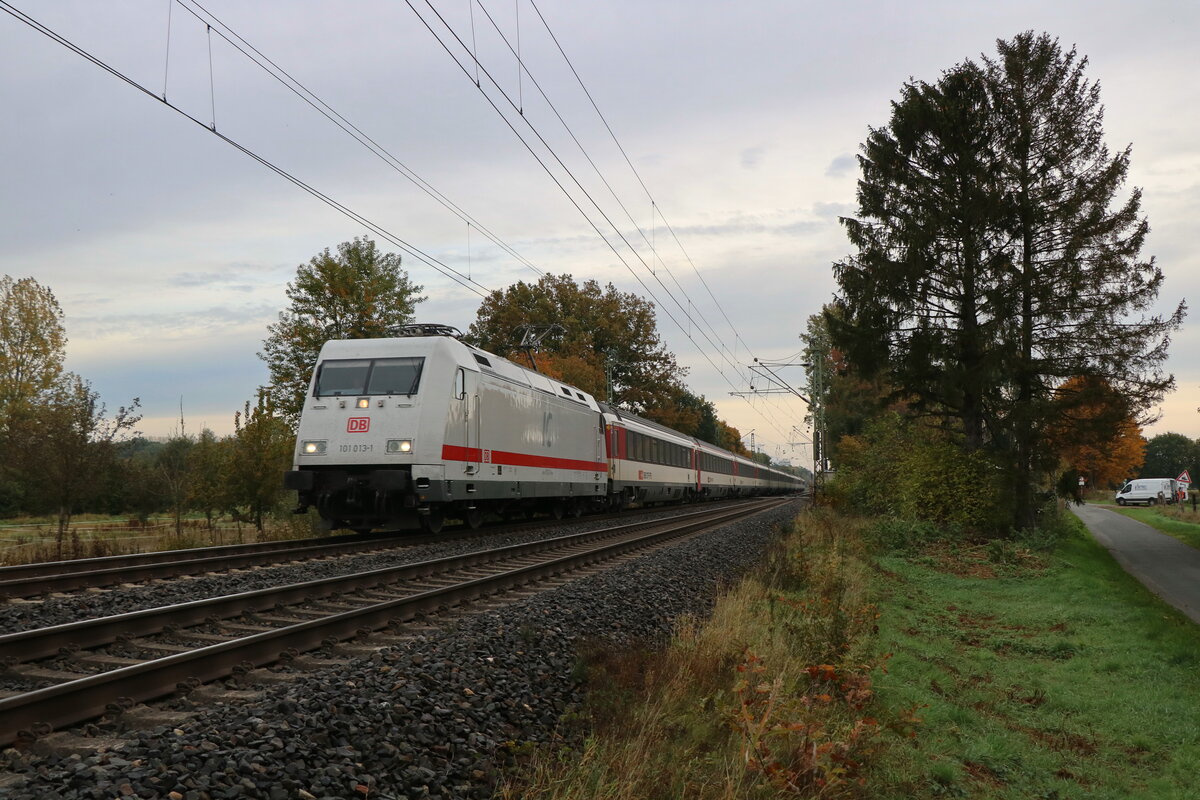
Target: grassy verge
x=34, y=539
x=1178, y=521
x=1066, y=679
x=957, y=671
x=770, y=695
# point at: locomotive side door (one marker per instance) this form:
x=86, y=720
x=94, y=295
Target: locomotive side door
x=466, y=389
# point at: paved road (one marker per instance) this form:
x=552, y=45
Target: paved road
x=1167, y=566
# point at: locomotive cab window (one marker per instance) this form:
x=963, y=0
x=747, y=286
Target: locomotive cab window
x=395, y=376
x=365, y=376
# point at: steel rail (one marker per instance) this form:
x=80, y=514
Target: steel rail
x=30, y=580
x=204, y=559
x=29, y=645
x=27, y=715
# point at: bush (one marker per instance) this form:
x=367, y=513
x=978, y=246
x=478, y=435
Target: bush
x=905, y=470
x=902, y=535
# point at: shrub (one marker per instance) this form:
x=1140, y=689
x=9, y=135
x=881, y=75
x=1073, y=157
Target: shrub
x=890, y=533
x=898, y=468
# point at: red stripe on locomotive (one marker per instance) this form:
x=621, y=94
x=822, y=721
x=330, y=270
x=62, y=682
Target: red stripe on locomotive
x=453, y=452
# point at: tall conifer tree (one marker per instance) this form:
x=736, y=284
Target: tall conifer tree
x=995, y=260
x=1080, y=285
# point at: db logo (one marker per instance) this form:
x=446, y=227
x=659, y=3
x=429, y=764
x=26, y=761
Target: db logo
x=358, y=425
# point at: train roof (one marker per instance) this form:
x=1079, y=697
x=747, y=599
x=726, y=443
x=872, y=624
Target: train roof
x=466, y=355
x=624, y=415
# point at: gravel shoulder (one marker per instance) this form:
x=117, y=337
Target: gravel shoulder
x=436, y=717
x=1165, y=565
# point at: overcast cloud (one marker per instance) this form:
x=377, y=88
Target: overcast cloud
x=170, y=251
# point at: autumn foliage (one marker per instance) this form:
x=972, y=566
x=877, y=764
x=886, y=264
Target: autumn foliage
x=1096, y=434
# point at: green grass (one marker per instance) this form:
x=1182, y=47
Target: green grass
x=1067, y=681
x=1166, y=520
x=1006, y=674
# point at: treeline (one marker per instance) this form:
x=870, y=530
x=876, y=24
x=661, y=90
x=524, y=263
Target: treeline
x=63, y=452
x=989, y=343
x=65, y=455
x=1166, y=456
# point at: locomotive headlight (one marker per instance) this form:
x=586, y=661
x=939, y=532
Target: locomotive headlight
x=399, y=445
x=313, y=448
x=364, y=402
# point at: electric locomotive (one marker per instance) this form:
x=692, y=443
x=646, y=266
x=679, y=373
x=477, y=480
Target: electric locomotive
x=422, y=426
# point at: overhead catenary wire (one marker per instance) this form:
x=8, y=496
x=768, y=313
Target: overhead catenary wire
x=286, y=79
x=719, y=345
x=636, y=174
x=468, y=54
x=449, y=272
x=167, y=56
x=557, y=181
x=407, y=247
x=574, y=179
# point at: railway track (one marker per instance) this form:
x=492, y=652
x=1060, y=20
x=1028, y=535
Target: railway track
x=117, y=661
x=32, y=580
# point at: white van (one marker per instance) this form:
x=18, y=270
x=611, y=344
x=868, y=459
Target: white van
x=1148, y=491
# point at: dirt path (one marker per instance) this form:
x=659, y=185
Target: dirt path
x=1167, y=566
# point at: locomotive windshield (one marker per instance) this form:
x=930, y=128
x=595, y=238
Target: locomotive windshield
x=369, y=376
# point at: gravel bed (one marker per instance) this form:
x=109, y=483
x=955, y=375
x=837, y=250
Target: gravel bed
x=437, y=717
x=21, y=616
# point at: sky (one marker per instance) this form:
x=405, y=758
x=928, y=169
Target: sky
x=170, y=250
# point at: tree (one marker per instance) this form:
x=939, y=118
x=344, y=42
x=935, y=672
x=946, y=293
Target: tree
x=994, y=260
x=919, y=297
x=172, y=468
x=73, y=441
x=694, y=415
x=1168, y=454
x=206, y=466
x=32, y=340
x=260, y=451
x=359, y=293
x=1079, y=276
x=1094, y=433
x=843, y=399
x=730, y=438
x=602, y=330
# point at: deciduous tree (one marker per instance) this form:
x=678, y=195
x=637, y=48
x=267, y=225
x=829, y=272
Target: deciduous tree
x=207, y=491
x=32, y=340
x=359, y=293
x=172, y=469
x=1168, y=454
x=73, y=438
x=1094, y=433
x=260, y=451
x=602, y=330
